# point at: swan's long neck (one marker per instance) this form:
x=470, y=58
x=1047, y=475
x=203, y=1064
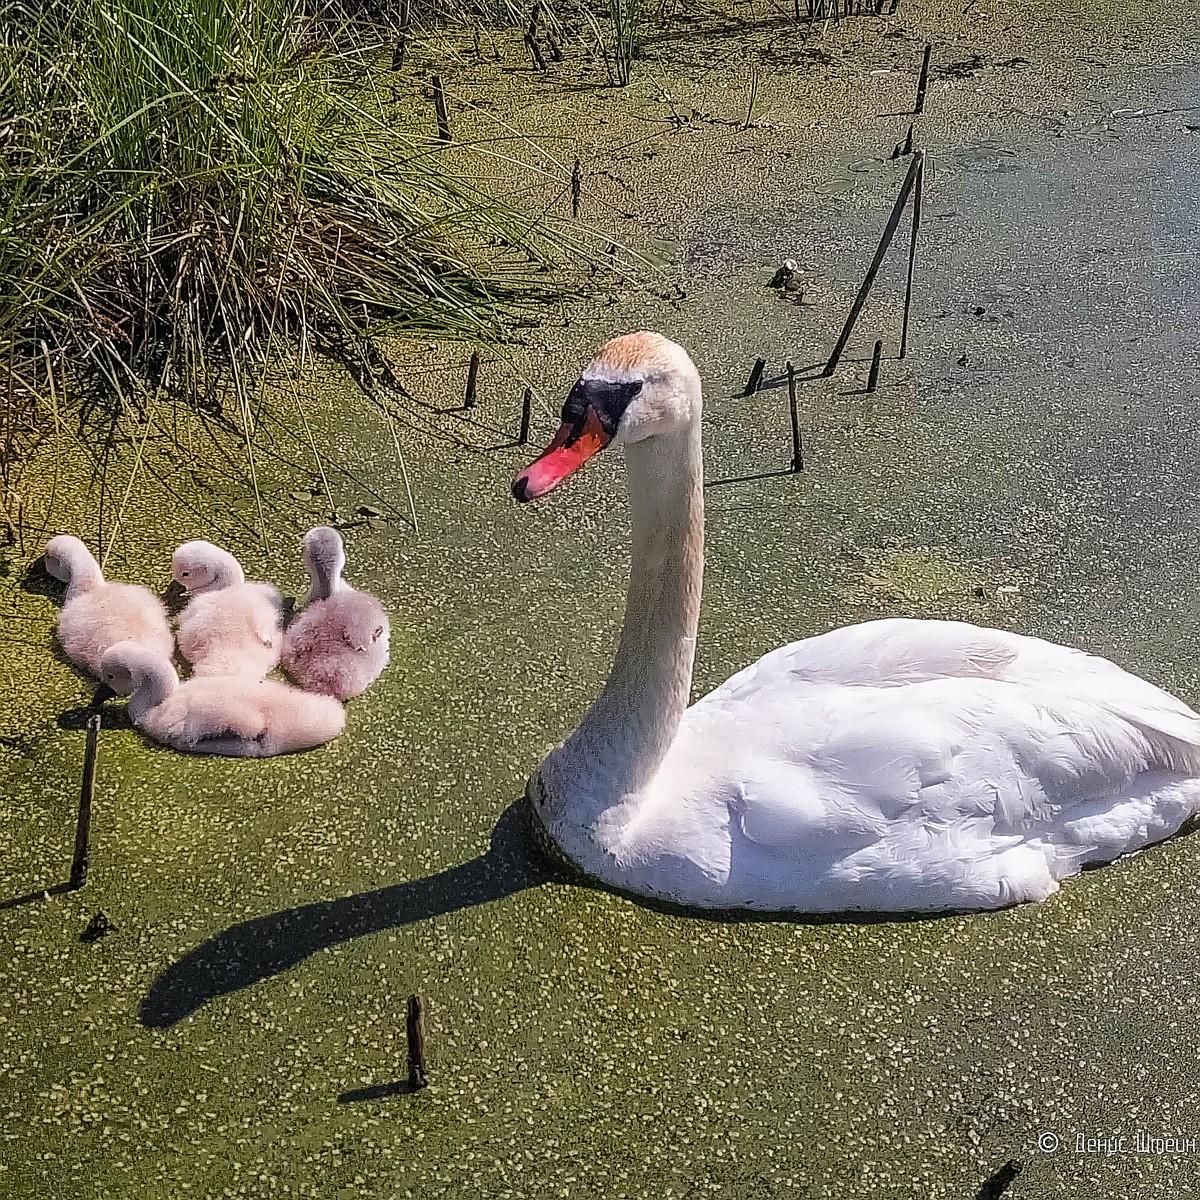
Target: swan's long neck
x=155, y=685
x=621, y=742
x=323, y=578
x=84, y=575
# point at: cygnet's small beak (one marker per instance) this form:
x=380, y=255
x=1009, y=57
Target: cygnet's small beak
x=175, y=591
x=572, y=446
x=103, y=694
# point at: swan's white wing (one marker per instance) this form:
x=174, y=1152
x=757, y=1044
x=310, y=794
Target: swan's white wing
x=902, y=765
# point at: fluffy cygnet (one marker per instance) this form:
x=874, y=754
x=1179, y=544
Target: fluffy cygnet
x=229, y=627
x=339, y=644
x=243, y=718
x=98, y=614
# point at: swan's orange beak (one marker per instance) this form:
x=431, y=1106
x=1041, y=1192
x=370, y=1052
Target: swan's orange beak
x=573, y=445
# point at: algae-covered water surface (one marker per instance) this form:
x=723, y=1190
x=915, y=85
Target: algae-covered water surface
x=240, y=1031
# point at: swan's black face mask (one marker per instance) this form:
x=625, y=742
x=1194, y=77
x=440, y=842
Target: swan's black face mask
x=590, y=418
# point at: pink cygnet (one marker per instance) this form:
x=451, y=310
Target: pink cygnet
x=339, y=644
x=229, y=627
x=238, y=717
x=98, y=614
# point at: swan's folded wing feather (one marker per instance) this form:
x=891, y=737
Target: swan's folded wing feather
x=975, y=759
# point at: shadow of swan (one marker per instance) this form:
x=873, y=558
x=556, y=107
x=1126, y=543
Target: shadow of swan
x=516, y=861
x=255, y=950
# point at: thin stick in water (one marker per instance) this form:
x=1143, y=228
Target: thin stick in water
x=912, y=256
x=83, y=826
x=873, y=376
x=418, y=1073
x=536, y=51
x=756, y=374
x=905, y=148
x=412, y=507
x=526, y=407
x=923, y=81
x=576, y=187
x=797, y=445
x=472, y=379
x=440, y=109
x=753, y=96
x=889, y=231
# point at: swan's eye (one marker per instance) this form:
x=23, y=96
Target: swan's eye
x=377, y=634
x=185, y=574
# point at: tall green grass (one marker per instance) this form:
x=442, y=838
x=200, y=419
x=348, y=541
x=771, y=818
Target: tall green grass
x=185, y=184
x=621, y=42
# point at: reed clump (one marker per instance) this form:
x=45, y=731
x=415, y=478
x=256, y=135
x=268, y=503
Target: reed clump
x=186, y=184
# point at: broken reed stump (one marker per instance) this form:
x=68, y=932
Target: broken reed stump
x=996, y=1184
x=756, y=374
x=439, y=108
x=576, y=187
x=418, y=1073
x=889, y=231
x=472, y=379
x=83, y=826
x=526, y=408
x=903, y=150
x=923, y=81
x=797, y=445
x=912, y=254
x=402, y=39
x=873, y=374
x=536, y=51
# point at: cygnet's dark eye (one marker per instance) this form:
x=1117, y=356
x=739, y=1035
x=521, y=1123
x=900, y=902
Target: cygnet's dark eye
x=377, y=634
x=185, y=574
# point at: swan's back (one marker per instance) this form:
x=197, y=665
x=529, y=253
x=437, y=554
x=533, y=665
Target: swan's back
x=338, y=646
x=97, y=619
x=900, y=651
x=235, y=630
x=250, y=718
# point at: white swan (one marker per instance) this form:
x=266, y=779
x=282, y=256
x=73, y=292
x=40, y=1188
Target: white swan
x=237, y=717
x=229, y=627
x=339, y=644
x=97, y=613
x=898, y=765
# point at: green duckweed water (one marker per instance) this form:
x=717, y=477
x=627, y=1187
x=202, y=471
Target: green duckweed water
x=241, y=1031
